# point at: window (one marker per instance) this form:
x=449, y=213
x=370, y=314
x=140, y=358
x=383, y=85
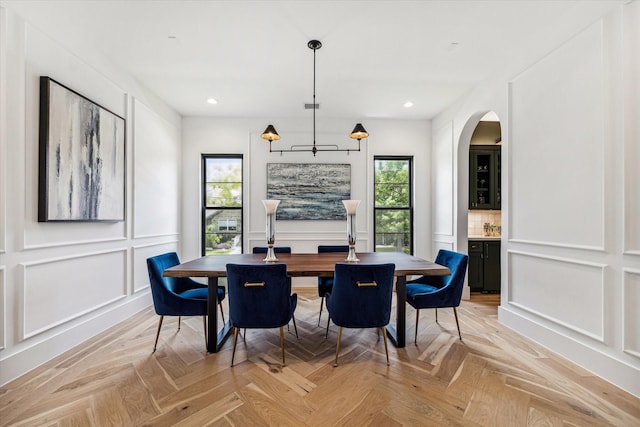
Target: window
x=221, y=204
x=393, y=204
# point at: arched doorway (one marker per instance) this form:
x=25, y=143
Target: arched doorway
x=479, y=213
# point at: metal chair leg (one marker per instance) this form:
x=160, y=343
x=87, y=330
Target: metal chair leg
x=235, y=340
x=158, y=334
x=415, y=340
x=295, y=327
x=455, y=313
x=179, y=318
x=436, y=315
x=221, y=312
x=204, y=322
x=386, y=349
x=338, y=345
x=326, y=334
x=320, y=315
x=282, y=344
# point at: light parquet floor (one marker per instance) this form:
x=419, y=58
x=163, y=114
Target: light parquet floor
x=494, y=377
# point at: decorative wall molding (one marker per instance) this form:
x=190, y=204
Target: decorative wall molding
x=444, y=146
x=154, y=141
x=139, y=272
x=560, y=303
x=3, y=309
x=72, y=243
x=630, y=313
x=581, y=185
x=154, y=236
x=631, y=128
x=558, y=245
x=81, y=277
x=3, y=130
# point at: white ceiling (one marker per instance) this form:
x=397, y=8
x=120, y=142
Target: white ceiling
x=252, y=56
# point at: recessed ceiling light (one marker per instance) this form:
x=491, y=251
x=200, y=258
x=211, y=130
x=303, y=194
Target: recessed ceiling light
x=212, y=101
x=408, y=104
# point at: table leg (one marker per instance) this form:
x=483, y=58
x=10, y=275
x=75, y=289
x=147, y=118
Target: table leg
x=398, y=334
x=215, y=338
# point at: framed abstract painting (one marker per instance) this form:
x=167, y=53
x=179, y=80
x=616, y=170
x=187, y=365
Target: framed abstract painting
x=81, y=158
x=309, y=191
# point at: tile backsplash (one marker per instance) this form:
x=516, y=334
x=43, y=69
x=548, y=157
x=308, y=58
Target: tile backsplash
x=477, y=219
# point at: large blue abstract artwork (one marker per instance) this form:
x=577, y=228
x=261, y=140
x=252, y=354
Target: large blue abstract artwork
x=82, y=158
x=309, y=191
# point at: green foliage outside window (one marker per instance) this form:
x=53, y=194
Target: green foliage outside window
x=392, y=205
x=222, y=221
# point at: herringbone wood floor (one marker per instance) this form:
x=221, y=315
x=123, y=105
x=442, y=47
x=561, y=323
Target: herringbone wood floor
x=493, y=377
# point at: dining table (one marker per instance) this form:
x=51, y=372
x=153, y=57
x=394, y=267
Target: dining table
x=305, y=265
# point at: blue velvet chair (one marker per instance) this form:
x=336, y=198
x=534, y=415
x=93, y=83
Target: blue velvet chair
x=177, y=296
x=276, y=249
x=326, y=283
x=361, y=298
x=260, y=297
x=439, y=291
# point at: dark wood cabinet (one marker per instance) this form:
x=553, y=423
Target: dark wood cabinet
x=484, y=266
x=484, y=177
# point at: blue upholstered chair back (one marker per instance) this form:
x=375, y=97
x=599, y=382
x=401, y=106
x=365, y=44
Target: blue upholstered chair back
x=448, y=289
x=276, y=249
x=267, y=306
x=352, y=306
x=175, y=296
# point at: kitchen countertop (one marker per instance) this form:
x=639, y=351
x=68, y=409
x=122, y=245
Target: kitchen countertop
x=484, y=237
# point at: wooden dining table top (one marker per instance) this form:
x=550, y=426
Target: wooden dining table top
x=306, y=264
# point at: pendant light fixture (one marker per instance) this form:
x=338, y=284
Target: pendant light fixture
x=270, y=134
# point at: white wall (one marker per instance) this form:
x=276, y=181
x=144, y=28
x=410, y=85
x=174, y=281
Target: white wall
x=242, y=136
x=570, y=217
x=62, y=283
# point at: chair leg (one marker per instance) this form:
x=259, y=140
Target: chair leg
x=282, y=345
x=320, y=315
x=235, y=340
x=415, y=340
x=338, y=345
x=326, y=334
x=204, y=322
x=436, y=315
x=158, y=334
x=386, y=349
x=455, y=312
x=221, y=312
x=179, y=318
x=295, y=327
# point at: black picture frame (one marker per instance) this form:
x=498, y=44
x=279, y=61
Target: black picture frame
x=82, y=158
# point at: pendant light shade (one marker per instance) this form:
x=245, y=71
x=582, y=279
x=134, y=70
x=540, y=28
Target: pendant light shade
x=359, y=132
x=270, y=134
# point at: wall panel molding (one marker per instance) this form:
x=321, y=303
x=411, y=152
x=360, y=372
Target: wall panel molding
x=631, y=180
x=3, y=130
x=630, y=313
x=559, y=290
x=154, y=148
x=85, y=283
x=573, y=79
x=71, y=243
x=444, y=181
x=558, y=245
x=3, y=309
x=139, y=255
